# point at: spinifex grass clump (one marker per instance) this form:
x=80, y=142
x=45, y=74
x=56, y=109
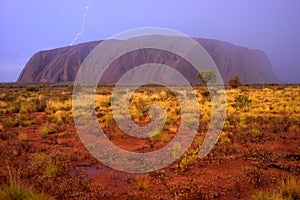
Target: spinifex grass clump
x=14, y=189
x=289, y=190
x=20, y=192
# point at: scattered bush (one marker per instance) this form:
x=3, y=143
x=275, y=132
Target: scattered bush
x=243, y=102
x=61, y=117
x=9, y=123
x=52, y=170
x=188, y=158
x=235, y=82
x=32, y=105
x=47, y=130
x=25, y=123
x=155, y=137
x=207, y=76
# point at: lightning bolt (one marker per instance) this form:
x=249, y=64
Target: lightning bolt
x=83, y=23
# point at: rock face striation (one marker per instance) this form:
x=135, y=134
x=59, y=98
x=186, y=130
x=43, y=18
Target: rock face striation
x=62, y=64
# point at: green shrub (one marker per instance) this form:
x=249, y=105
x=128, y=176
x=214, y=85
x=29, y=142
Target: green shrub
x=156, y=136
x=16, y=107
x=9, y=123
x=46, y=130
x=52, y=170
x=60, y=117
x=33, y=105
x=243, y=102
x=207, y=76
x=25, y=123
x=159, y=137
x=188, y=158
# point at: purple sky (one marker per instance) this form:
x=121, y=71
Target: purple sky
x=273, y=26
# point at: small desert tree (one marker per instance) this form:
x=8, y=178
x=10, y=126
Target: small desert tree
x=207, y=76
x=235, y=82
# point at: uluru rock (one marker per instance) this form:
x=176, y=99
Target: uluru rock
x=62, y=64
